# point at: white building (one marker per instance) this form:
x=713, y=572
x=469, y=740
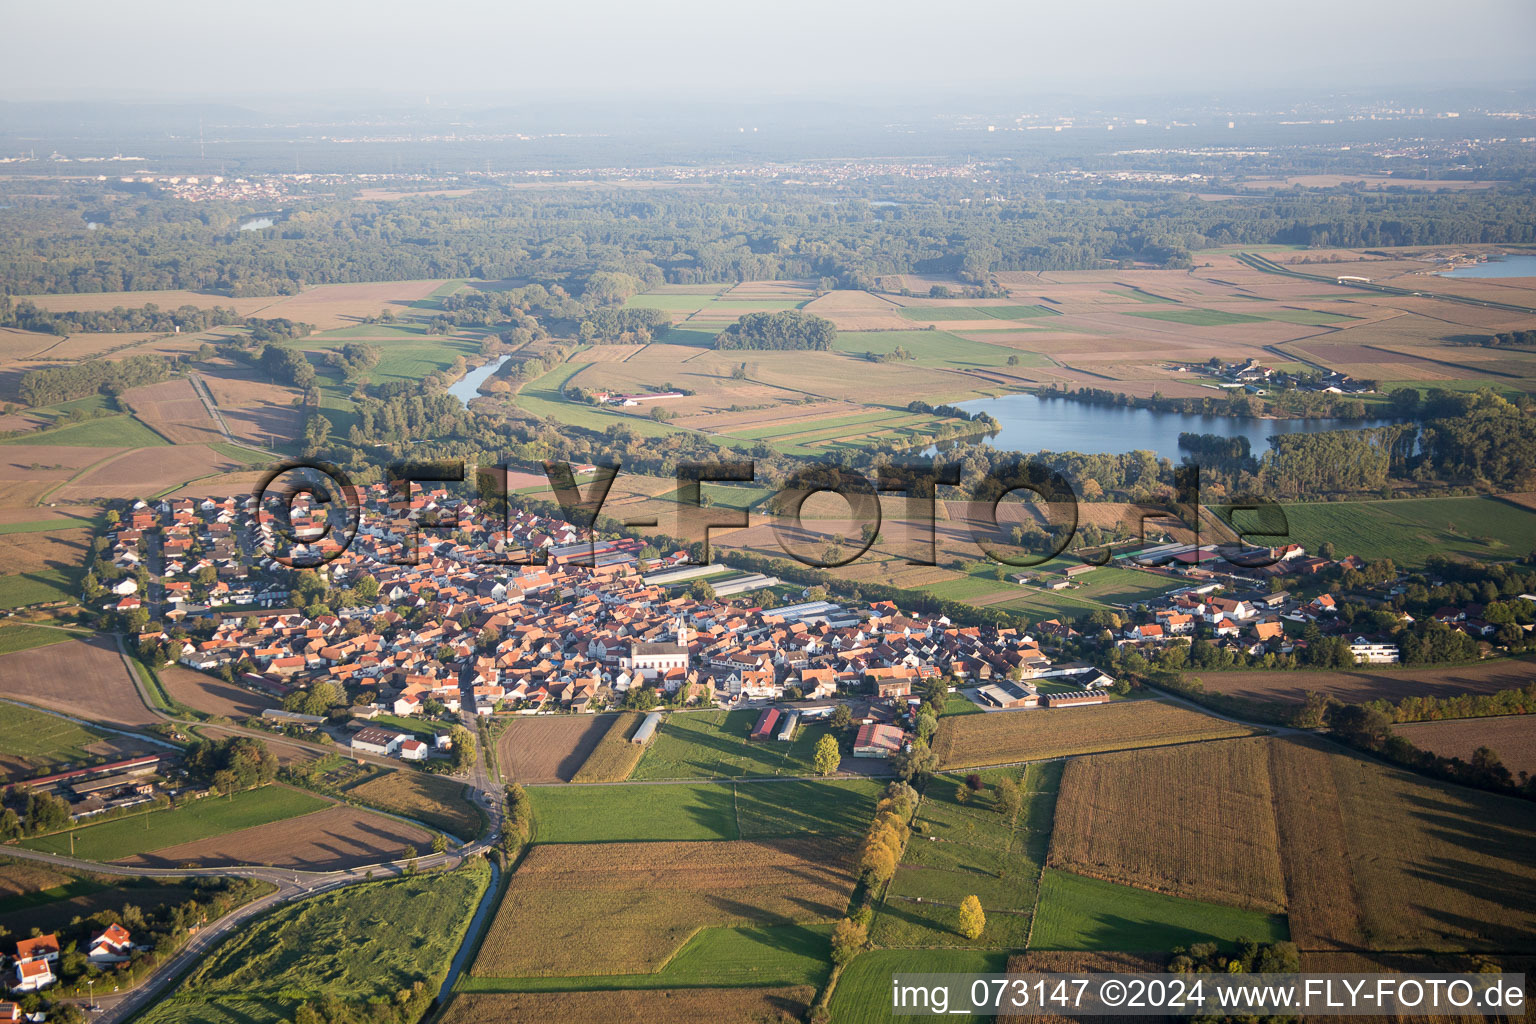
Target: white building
x=1372, y=652
x=381, y=742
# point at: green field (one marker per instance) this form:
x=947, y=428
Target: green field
x=39, y=526
x=155, y=830
x=863, y=993
x=363, y=942
x=959, y=850
x=610, y=814
x=106, y=432
x=241, y=455
x=43, y=741
x=1084, y=913
x=930, y=348
x=770, y=955
x=699, y=811
x=806, y=807
x=405, y=352
x=415, y=726
x=40, y=587
x=543, y=397
x=714, y=744
x=1410, y=530
x=1198, y=317
x=22, y=637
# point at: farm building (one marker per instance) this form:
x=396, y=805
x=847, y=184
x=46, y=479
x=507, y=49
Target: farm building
x=1008, y=694
x=647, y=728
x=787, y=729
x=765, y=724
x=377, y=741
x=1072, y=572
x=135, y=766
x=1075, y=698
x=744, y=584
x=876, y=740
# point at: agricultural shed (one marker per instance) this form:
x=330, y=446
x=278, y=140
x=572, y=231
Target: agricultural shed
x=765, y=723
x=647, y=728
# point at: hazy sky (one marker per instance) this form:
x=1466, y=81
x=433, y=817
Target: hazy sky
x=478, y=50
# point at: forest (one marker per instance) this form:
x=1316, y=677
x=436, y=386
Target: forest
x=711, y=233
x=784, y=330
x=50, y=385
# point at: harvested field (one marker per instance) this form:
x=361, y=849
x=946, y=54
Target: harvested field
x=148, y=471
x=213, y=696
x=56, y=543
x=615, y=756
x=1067, y=962
x=328, y=840
x=675, y=1006
x=21, y=878
x=173, y=410
x=437, y=800
x=859, y=311
x=552, y=749
x=255, y=409
x=1154, y=819
x=329, y=306
x=629, y=906
x=965, y=741
x=1512, y=737
x=1379, y=858
x=81, y=677
x=1374, y=684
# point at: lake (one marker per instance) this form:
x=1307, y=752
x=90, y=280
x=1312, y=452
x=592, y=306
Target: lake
x=1498, y=266
x=257, y=223
x=1028, y=423
x=468, y=386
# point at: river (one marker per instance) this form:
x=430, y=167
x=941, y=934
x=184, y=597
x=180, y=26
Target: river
x=1029, y=423
x=468, y=386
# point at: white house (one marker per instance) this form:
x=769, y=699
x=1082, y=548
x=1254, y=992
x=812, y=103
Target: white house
x=413, y=750
x=112, y=946
x=1373, y=652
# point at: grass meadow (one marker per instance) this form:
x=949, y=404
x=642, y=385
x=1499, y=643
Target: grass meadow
x=701, y=810
x=713, y=744
x=42, y=740
x=1076, y=912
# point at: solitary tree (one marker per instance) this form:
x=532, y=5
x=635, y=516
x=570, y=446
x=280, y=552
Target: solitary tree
x=847, y=939
x=827, y=756
x=1008, y=798
x=972, y=919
